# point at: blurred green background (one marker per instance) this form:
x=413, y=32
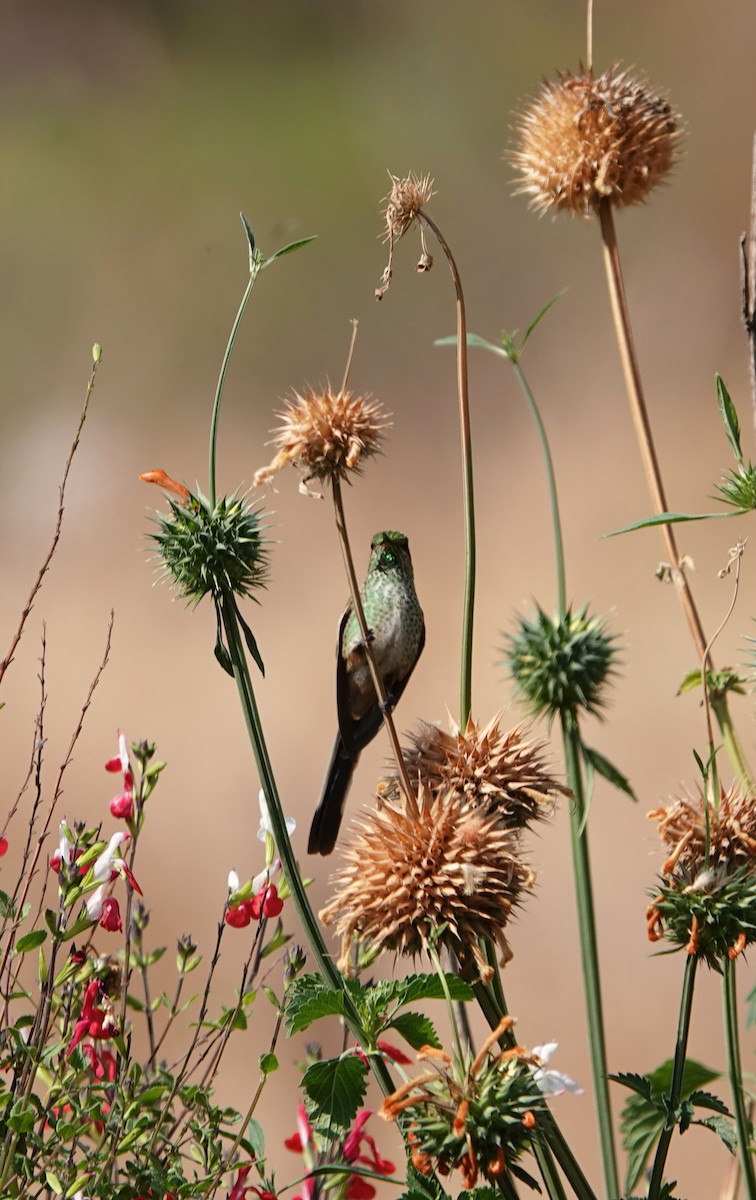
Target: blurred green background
x=132, y=135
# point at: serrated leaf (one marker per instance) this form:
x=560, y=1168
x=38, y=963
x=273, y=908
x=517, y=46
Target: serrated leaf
x=709, y=1100
x=729, y=416
x=609, y=772
x=308, y=999
x=724, y=1129
x=336, y=1087
x=30, y=941
x=415, y=1028
x=420, y=987
x=640, y=1084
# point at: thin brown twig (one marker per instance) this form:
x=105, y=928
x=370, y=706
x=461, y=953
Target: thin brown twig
x=6, y=662
x=641, y=421
x=748, y=277
x=58, y=792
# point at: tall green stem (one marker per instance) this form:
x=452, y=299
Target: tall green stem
x=468, y=494
x=255, y=263
x=732, y=1038
x=681, y=1050
x=589, y=950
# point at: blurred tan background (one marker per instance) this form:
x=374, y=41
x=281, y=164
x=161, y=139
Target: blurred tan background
x=132, y=135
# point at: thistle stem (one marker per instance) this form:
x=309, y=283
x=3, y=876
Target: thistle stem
x=556, y=523
x=589, y=950
x=366, y=635
x=681, y=1049
x=732, y=1038
x=468, y=495
x=254, y=270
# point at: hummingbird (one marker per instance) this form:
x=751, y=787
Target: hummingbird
x=396, y=628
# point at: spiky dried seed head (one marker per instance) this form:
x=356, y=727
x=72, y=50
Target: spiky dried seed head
x=404, y=201
x=691, y=822
x=451, y=873
x=586, y=138
x=326, y=434
x=484, y=765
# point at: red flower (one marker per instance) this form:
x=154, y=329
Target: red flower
x=238, y=915
x=95, y=1021
x=111, y=915
x=3, y=846
x=122, y=806
x=266, y=903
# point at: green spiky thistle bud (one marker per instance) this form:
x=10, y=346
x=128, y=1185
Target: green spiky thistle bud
x=217, y=550
x=562, y=665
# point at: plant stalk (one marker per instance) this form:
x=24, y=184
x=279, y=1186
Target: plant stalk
x=589, y=951
x=468, y=494
x=732, y=1038
x=681, y=1049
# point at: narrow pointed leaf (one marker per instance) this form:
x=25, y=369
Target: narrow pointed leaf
x=540, y=315
x=608, y=771
x=730, y=418
x=670, y=518
x=250, y=234
x=290, y=248
x=249, y=638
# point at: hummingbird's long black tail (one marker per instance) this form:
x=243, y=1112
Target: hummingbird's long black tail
x=327, y=820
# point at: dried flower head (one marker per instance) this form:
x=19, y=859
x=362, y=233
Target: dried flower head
x=505, y=771
x=707, y=899
x=586, y=138
x=477, y=1118
x=326, y=434
x=450, y=873
x=404, y=204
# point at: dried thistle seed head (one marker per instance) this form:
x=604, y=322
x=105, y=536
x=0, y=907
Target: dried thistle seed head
x=404, y=201
x=691, y=823
x=584, y=139
x=707, y=899
x=484, y=765
x=326, y=434
x=452, y=873
x=206, y=549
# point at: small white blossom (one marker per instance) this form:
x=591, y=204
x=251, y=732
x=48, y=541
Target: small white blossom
x=552, y=1083
x=265, y=825
x=233, y=881
x=94, y=903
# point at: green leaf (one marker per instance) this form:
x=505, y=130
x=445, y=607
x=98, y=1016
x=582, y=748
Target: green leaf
x=708, y=1100
x=645, y=1114
x=22, y=1116
x=54, y=1183
x=690, y=682
x=336, y=1088
x=670, y=518
x=256, y=1138
x=249, y=638
x=77, y=928
x=540, y=315
x=416, y=1029
x=751, y=1017
x=724, y=1129
x=268, y=1063
x=6, y=908
x=30, y=941
x=729, y=417
x=250, y=234
x=290, y=248
x=472, y=340
x=419, y=987
x=308, y=999
x=603, y=767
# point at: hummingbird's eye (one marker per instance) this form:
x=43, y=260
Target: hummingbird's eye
x=388, y=558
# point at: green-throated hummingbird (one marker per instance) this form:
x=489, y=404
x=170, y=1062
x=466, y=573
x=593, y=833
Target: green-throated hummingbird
x=395, y=622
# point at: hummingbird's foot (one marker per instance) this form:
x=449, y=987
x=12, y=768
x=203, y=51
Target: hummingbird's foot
x=388, y=707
